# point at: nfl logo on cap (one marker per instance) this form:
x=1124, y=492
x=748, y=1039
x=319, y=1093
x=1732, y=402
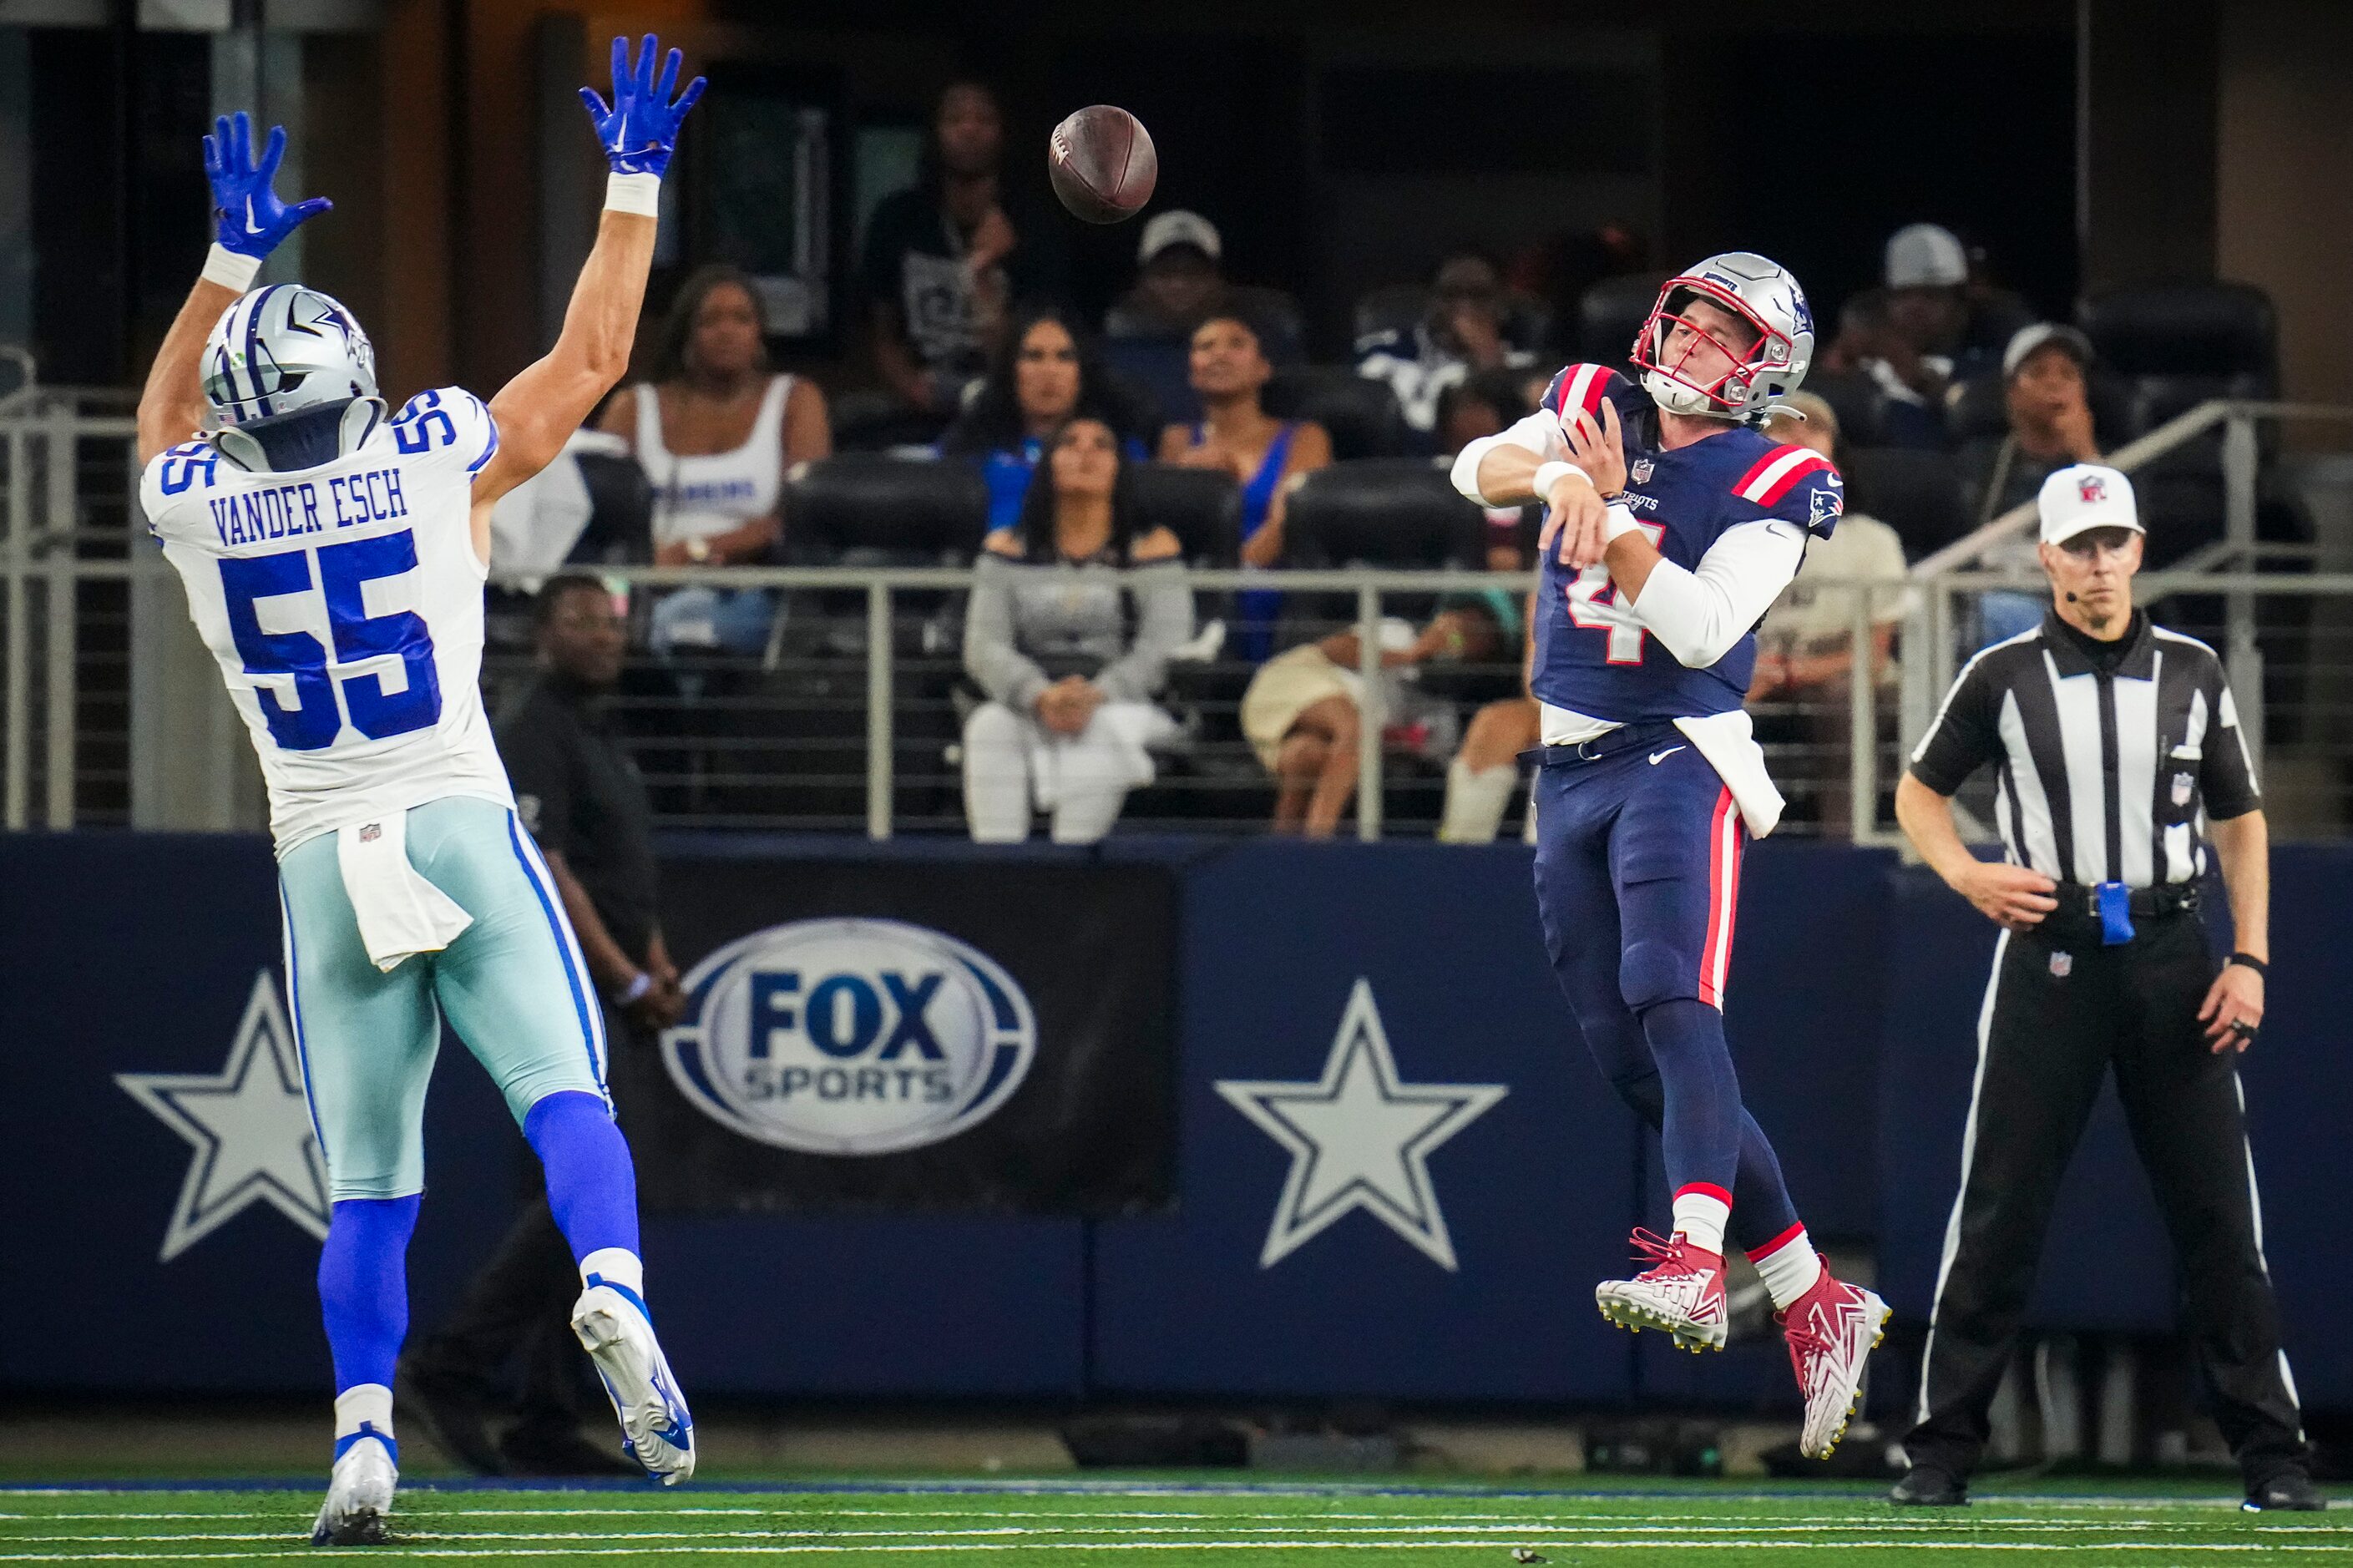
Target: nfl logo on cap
x=2086, y=496
x=2091, y=488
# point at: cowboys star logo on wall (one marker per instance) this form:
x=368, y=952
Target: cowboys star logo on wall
x=1359, y=1138
x=249, y=1125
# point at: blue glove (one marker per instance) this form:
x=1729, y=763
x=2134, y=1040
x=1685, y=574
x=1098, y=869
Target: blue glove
x=640, y=130
x=249, y=220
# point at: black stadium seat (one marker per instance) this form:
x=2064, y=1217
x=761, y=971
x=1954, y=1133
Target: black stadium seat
x=1395, y=512
x=1917, y=493
x=1361, y=416
x=1203, y=507
x=1612, y=312
x=2220, y=330
x=907, y=508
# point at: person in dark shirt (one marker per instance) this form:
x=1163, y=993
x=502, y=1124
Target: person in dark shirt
x=581, y=796
x=1046, y=375
x=947, y=259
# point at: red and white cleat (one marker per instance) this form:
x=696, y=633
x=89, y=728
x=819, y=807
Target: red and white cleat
x=1681, y=1292
x=1831, y=1329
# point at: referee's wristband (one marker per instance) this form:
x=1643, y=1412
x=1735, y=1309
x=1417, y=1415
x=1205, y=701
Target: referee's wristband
x=2250, y=961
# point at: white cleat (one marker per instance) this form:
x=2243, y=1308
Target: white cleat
x=1831, y=1329
x=618, y=1335
x=359, y=1494
x=1681, y=1294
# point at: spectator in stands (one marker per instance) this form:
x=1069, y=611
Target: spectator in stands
x=1488, y=404
x=2046, y=395
x=1301, y=712
x=1180, y=282
x=1909, y=394
x=715, y=431
x=1805, y=649
x=1069, y=650
x=1944, y=320
x=1045, y=375
x=947, y=259
x=1468, y=329
x=1230, y=371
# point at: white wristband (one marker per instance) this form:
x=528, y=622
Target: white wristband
x=1552, y=473
x=1617, y=520
x=230, y=270
x=638, y=194
x=636, y=988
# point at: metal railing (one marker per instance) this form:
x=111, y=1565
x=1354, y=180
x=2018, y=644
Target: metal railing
x=109, y=706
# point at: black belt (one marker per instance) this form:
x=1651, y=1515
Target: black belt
x=1625, y=738
x=2077, y=901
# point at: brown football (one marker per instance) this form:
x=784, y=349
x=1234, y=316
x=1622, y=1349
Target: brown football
x=1102, y=163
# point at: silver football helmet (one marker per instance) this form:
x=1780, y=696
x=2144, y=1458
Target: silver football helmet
x=1759, y=291
x=281, y=351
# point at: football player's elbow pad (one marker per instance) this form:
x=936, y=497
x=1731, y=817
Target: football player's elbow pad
x=1466, y=467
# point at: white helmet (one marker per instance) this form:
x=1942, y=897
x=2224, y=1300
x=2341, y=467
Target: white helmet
x=284, y=352
x=1760, y=293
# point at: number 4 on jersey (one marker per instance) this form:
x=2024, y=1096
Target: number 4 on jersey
x=1593, y=604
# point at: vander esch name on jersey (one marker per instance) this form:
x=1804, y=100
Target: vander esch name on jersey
x=282, y=511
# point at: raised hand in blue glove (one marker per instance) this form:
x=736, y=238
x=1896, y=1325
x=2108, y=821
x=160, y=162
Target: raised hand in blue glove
x=248, y=218
x=640, y=130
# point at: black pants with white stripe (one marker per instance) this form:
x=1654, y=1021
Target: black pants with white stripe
x=2045, y=1041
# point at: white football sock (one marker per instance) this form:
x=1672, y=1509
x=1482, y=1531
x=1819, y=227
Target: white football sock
x=1475, y=801
x=1788, y=1264
x=363, y=1404
x=1700, y=1216
x=615, y=1266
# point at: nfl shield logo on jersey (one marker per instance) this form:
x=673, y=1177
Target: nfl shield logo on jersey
x=2182, y=784
x=2061, y=966
x=1639, y=471
x=850, y=1037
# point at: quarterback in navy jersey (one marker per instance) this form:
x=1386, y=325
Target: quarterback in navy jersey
x=1672, y=524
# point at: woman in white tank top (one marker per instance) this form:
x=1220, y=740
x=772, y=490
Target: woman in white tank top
x=716, y=434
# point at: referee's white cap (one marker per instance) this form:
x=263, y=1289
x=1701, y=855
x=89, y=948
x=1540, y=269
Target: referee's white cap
x=2087, y=495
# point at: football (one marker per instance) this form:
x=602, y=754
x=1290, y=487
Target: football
x=1103, y=164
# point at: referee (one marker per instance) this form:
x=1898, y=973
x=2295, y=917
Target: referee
x=2118, y=761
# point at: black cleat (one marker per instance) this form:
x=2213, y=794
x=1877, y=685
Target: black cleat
x=1923, y=1485
x=451, y=1416
x=2290, y=1491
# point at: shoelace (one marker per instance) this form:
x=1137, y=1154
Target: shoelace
x=1661, y=1253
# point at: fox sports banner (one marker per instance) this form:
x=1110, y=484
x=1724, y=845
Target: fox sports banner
x=952, y=1034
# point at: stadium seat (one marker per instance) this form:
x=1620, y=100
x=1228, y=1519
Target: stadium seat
x=1396, y=511
x=1916, y=493
x=621, y=510
x=1361, y=416
x=1612, y=311
x=912, y=509
x=2220, y=330
x=1203, y=507
x=1161, y=368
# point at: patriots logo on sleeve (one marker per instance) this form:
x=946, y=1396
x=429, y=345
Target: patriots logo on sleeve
x=1828, y=504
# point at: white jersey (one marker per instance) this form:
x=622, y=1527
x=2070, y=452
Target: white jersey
x=344, y=604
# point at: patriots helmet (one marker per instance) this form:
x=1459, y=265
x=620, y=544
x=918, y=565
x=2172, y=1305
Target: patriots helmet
x=291, y=378
x=1759, y=291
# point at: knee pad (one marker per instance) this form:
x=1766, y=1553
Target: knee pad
x=1652, y=971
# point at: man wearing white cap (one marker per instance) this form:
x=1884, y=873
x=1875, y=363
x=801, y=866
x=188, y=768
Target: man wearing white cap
x=2119, y=762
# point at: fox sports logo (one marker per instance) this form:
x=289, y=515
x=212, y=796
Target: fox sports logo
x=850, y=1037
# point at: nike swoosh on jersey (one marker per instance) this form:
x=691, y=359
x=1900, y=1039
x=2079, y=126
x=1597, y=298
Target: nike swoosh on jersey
x=1658, y=757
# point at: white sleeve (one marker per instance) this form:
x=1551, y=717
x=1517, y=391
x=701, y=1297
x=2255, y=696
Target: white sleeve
x=1698, y=616
x=1538, y=433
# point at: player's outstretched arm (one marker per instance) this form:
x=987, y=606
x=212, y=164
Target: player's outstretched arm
x=538, y=410
x=249, y=222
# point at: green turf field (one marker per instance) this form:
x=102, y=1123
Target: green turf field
x=1078, y=1525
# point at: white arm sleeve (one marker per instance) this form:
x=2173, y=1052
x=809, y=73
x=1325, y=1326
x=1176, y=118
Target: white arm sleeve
x=1698, y=616
x=1538, y=433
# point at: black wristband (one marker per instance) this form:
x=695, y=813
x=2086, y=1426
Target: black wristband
x=2251, y=962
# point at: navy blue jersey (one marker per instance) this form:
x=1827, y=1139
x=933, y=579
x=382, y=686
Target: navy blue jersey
x=1592, y=656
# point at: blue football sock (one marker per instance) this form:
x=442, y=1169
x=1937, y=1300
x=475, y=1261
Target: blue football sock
x=591, y=1187
x=363, y=1287
x=1701, y=1131
x=1761, y=1207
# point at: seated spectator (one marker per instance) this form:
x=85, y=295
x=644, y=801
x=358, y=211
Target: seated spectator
x=1466, y=330
x=1911, y=393
x=1230, y=371
x=947, y=259
x=1301, y=711
x=2046, y=384
x=715, y=432
x=1485, y=774
x=1044, y=377
x=1805, y=647
x=1938, y=321
x=1180, y=282
x=1069, y=651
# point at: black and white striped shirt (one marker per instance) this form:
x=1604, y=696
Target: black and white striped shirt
x=2111, y=757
